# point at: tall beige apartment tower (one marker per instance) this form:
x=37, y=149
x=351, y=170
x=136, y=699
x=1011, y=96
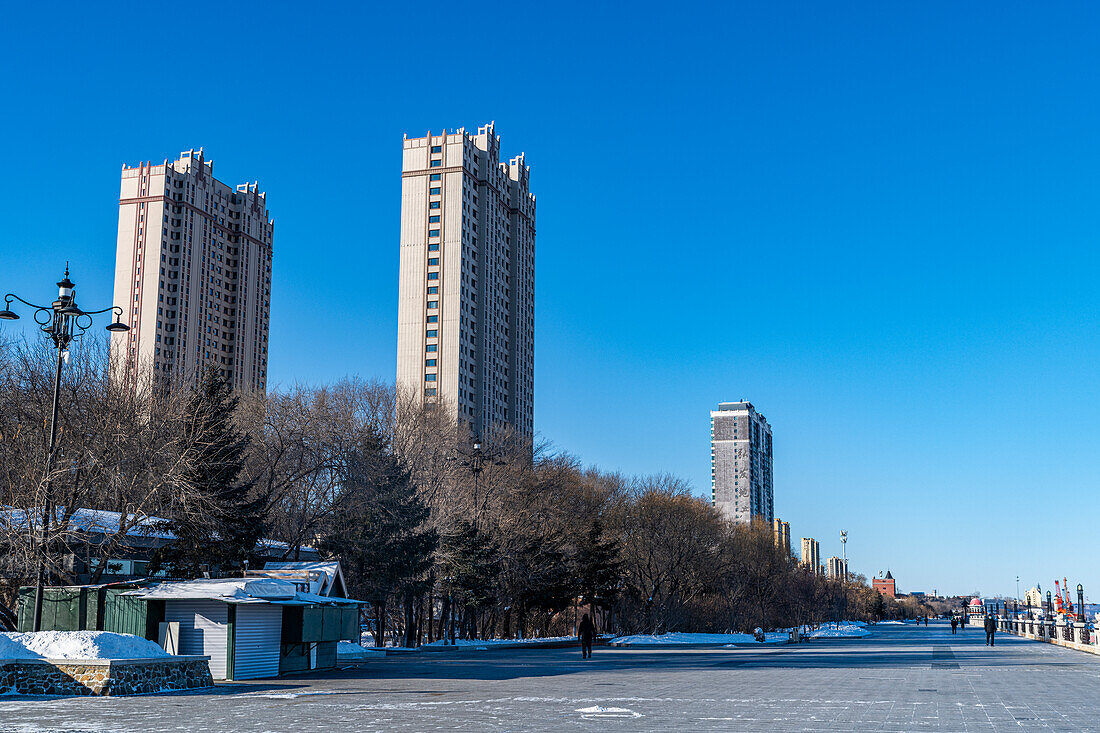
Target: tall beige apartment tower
x=782, y=531
x=741, y=463
x=193, y=270
x=811, y=554
x=836, y=568
x=465, y=321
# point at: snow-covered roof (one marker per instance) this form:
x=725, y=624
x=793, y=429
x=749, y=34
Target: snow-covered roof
x=233, y=590
x=91, y=520
x=325, y=577
x=101, y=521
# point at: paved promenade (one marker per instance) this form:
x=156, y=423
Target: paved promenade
x=902, y=678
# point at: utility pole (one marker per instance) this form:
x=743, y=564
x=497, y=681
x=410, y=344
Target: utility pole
x=844, y=551
x=844, y=560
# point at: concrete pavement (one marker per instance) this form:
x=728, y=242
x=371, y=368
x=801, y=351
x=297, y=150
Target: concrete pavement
x=903, y=678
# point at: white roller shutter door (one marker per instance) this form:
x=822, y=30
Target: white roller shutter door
x=259, y=629
x=203, y=630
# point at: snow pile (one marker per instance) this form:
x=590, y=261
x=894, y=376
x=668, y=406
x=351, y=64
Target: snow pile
x=683, y=638
x=351, y=650
x=847, y=631
x=894, y=623
x=600, y=711
x=77, y=645
x=494, y=642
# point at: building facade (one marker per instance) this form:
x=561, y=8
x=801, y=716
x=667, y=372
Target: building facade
x=465, y=333
x=836, y=568
x=193, y=271
x=886, y=586
x=811, y=554
x=741, y=463
x=782, y=531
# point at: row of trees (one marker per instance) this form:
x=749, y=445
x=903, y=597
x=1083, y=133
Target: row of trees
x=443, y=541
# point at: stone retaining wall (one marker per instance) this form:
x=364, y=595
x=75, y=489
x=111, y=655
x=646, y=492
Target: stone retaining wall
x=103, y=676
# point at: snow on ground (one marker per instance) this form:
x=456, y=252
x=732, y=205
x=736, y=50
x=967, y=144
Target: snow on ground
x=845, y=631
x=350, y=650
x=896, y=623
x=683, y=638
x=76, y=645
x=600, y=711
x=494, y=642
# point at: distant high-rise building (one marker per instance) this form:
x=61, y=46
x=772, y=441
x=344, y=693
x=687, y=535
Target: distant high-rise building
x=193, y=271
x=836, y=568
x=811, y=554
x=741, y=463
x=782, y=532
x=465, y=321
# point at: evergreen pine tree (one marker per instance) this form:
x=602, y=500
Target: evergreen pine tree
x=215, y=521
x=378, y=532
x=599, y=569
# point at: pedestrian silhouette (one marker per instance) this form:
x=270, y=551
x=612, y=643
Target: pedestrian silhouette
x=585, y=633
x=990, y=630
x=954, y=625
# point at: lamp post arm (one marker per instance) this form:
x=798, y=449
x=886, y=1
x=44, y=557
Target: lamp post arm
x=8, y=298
x=116, y=309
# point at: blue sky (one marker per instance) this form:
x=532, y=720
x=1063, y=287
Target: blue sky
x=875, y=221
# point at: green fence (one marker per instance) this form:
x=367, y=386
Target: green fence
x=63, y=609
x=91, y=609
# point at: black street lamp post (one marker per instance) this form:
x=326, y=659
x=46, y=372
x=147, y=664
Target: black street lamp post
x=63, y=322
x=476, y=460
x=1080, y=603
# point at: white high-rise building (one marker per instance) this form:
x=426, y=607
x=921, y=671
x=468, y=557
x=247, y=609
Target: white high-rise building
x=836, y=568
x=193, y=272
x=465, y=333
x=741, y=463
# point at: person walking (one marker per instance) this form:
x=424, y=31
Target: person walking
x=954, y=625
x=990, y=630
x=586, y=633
x=962, y=621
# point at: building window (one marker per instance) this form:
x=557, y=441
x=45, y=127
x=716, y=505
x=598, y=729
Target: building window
x=433, y=261
x=432, y=333
x=437, y=148
x=436, y=176
x=433, y=303
x=429, y=362
x=430, y=392
x=433, y=191
x=433, y=205
x=433, y=290
x=433, y=232
x=429, y=377
x=433, y=247
x=433, y=219
x=433, y=319
x=436, y=163
x=431, y=347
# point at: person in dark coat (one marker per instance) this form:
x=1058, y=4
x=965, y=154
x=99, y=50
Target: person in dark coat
x=990, y=630
x=954, y=625
x=962, y=621
x=586, y=633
